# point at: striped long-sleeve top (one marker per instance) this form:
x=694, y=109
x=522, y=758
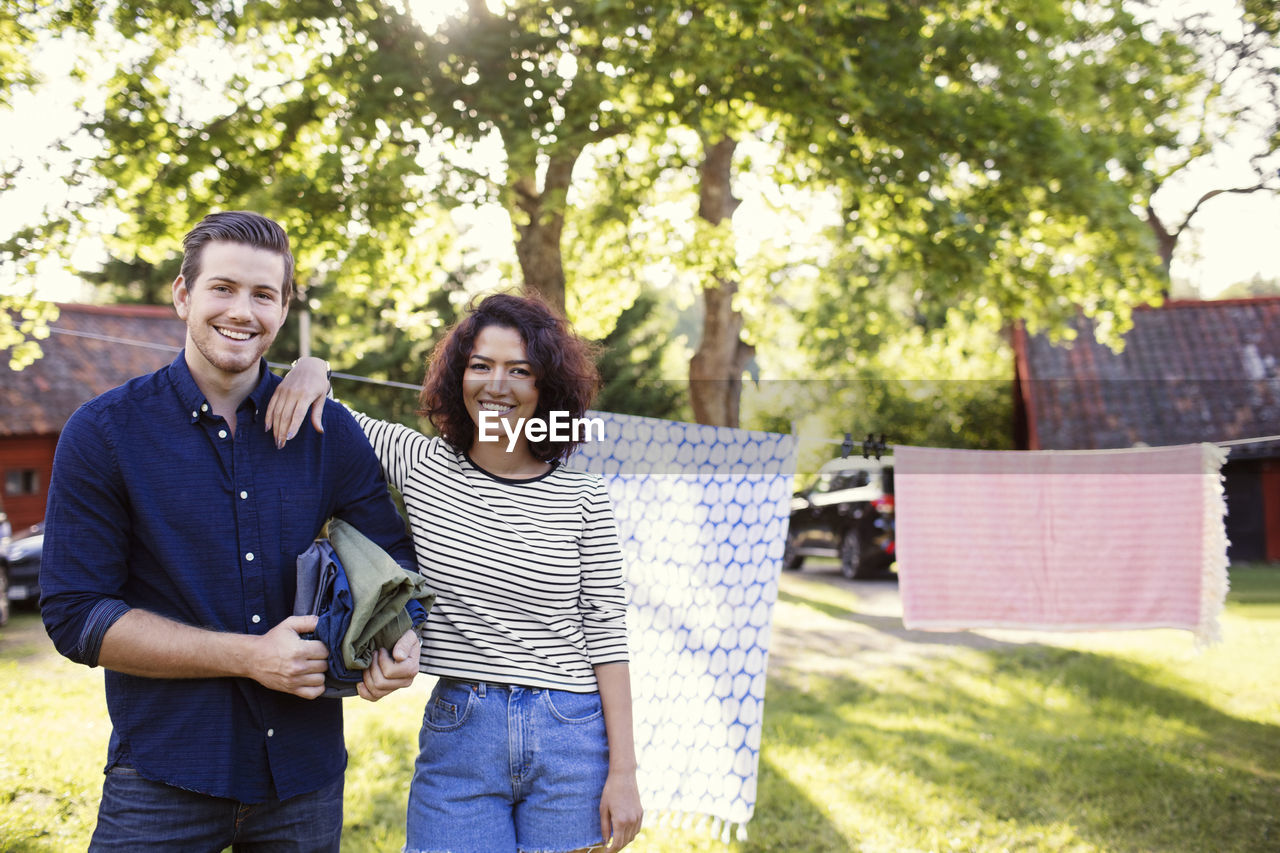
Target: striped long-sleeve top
x=527, y=573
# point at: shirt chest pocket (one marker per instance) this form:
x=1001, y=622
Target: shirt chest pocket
x=297, y=514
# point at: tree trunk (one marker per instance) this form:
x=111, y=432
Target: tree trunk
x=538, y=235
x=715, y=370
x=1166, y=241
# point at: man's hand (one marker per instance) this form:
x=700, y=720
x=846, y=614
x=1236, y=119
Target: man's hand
x=392, y=670
x=303, y=387
x=286, y=662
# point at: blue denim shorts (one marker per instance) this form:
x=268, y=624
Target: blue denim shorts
x=506, y=768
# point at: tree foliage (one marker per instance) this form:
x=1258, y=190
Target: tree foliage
x=1235, y=107
x=984, y=161
x=630, y=364
x=21, y=23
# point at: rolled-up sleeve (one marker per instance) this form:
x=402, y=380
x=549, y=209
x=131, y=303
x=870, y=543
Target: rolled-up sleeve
x=83, y=564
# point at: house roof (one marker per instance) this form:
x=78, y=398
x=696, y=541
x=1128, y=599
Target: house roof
x=1190, y=372
x=90, y=349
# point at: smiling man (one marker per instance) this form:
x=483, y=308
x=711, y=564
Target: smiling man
x=173, y=528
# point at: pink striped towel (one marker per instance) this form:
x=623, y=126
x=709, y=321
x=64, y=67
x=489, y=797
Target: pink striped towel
x=1062, y=540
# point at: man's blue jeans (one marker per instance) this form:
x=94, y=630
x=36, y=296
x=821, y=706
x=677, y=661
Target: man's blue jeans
x=138, y=814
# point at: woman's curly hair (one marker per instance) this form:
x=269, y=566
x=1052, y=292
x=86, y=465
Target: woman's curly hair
x=562, y=362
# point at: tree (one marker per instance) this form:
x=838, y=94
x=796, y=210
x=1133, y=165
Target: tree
x=984, y=155
x=20, y=23
x=630, y=364
x=1254, y=287
x=350, y=121
x=1237, y=109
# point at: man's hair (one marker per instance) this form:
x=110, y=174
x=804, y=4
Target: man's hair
x=237, y=226
x=564, y=364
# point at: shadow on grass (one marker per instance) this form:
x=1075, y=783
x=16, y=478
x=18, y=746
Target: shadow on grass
x=892, y=625
x=787, y=819
x=1030, y=740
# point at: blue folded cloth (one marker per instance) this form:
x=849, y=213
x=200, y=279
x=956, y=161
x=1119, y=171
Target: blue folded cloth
x=363, y=598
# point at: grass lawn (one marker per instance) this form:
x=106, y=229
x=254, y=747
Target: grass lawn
x=876, y=738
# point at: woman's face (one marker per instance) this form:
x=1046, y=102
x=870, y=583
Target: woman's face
x=499, y=379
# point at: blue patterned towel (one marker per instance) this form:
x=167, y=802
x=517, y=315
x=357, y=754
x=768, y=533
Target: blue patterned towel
x=703, y=513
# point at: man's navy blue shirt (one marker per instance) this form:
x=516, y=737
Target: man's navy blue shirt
x=154, y=504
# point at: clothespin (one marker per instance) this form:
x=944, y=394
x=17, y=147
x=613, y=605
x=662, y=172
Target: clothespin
x=847, y=447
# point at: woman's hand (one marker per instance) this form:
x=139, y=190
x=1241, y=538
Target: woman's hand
x=393, y=670
x=620, y=810
x=304, y=386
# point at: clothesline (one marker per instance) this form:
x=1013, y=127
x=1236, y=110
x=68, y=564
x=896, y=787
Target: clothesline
x=1261, y=439
x=274, y=365
x=869, y=446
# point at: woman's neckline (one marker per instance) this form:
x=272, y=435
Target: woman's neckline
x=502, y=479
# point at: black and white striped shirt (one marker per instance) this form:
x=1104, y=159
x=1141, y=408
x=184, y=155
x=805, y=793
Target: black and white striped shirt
x=527, y=573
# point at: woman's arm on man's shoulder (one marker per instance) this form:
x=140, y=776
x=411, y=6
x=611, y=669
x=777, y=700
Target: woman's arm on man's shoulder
x=303, y=388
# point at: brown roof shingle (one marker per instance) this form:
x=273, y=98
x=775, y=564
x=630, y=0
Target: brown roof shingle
x=1189, y=372
x=91, y=349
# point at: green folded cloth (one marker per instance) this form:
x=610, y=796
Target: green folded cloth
x=380, y=591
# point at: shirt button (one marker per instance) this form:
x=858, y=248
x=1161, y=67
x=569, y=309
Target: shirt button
x=195, y=414
x=256, y=619
x=271, y=732
x=204, y=407
x=222, y=433
x=249, y=556
x=244, y=496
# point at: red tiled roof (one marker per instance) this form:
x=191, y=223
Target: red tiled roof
x=1189, y=372
x=91, y=349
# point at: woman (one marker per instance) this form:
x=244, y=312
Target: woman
x=526, y=743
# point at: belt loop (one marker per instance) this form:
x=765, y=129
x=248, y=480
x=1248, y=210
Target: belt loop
x=480, y=689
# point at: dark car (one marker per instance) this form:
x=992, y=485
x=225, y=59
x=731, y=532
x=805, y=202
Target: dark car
x=847, y=513
x=24, y=565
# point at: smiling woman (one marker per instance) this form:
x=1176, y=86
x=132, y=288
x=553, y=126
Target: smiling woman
x=529, y=626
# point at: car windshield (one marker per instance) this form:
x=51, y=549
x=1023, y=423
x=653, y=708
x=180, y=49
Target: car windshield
x=830, y=481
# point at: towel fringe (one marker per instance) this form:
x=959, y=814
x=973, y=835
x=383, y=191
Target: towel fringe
x=716, y=827
x=1214, y=581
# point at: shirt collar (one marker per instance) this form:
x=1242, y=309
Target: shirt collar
x=197, y=405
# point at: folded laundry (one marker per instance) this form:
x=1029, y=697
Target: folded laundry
x=363, y=598
x=1062, y=540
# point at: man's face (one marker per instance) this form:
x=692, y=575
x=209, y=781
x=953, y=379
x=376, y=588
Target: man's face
x=235, y=307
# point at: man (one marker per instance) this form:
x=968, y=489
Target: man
x=172, y=531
